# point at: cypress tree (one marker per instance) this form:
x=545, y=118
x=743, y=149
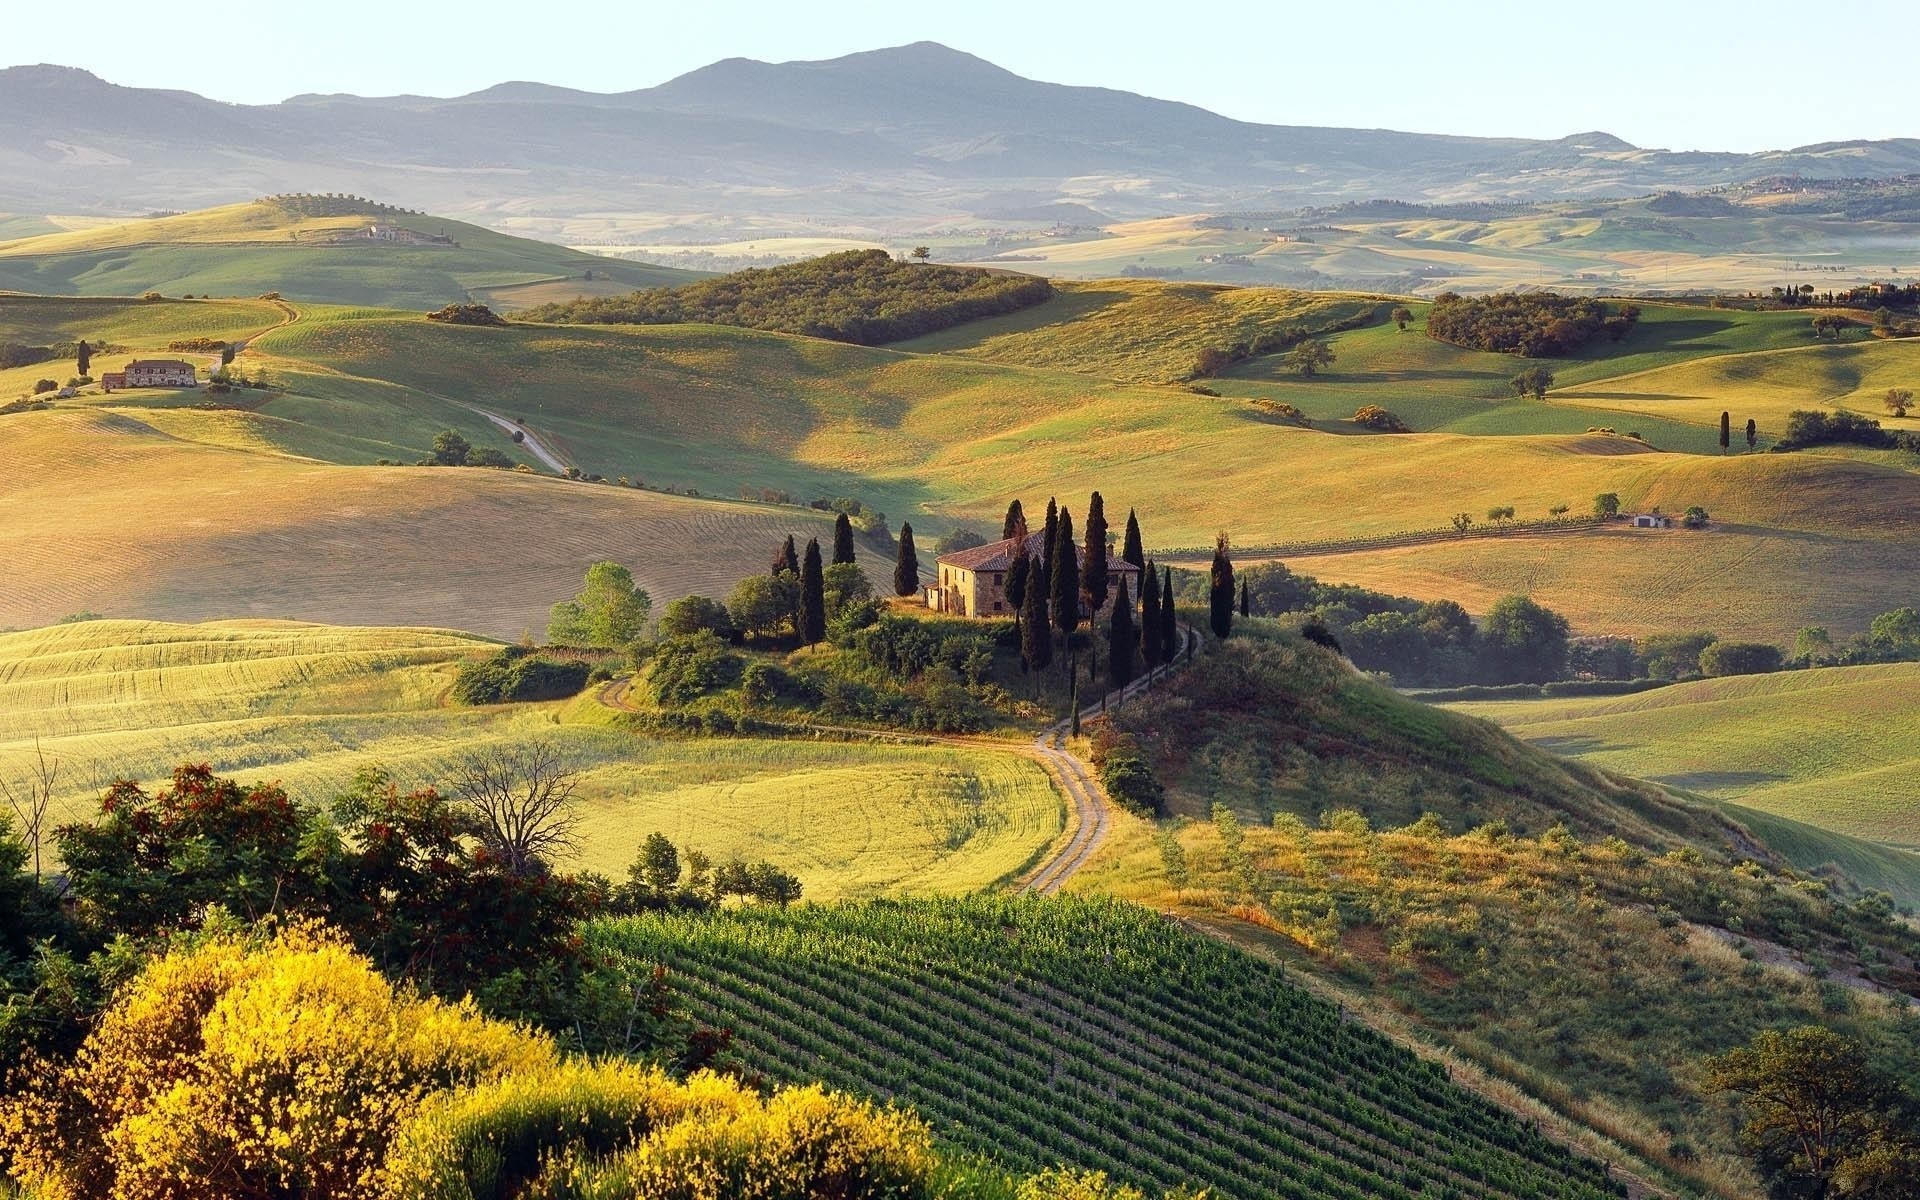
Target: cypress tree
x=787, y=559
x=1150, y=651
x=83, y=356
x=1036, y=639
x=842, y=540
x=1753, y=434
x=1015, y=524
x=1169, y=618
x=1221, y=594
x=1122, y=638
x=1130, y=548
x=813, y=597
x=906, y=568
x=1726, y=431
x=1017, y=576
x=1093, y=565
x=1246, y=608
x=1064, y=594
x=1048, y=545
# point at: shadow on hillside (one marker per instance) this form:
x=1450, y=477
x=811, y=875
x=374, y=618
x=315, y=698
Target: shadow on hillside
x=1719, y=781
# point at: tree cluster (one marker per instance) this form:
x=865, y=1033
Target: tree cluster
x=466, y=314
x=862, y=296
x=1817, y=427
x=1530, y=324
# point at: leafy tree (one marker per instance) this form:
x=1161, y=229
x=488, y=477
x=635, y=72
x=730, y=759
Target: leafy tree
x=1036, y=635
x=657, y=869
x=813, y=598
x=786, y=560
x=1309, y=357
x=450, y=449
x=1606, y=505
x=1123, y=639
x=1130, y=548
x=1015, y=523
x=1524, y=642
x=1402, y=317
x=1739, y=658
x=1531, y=324
x=906, y=564
x=1534, y=381
x=922, y=254
x=684, y=669
x=846, y=585
x=610, y=611
x=691, y=614
x=959, y=538
x=1501, y=514
x=1064, y=597
x=1813, y=643
x=1898, y=400
x=1093, y=564
x=1220, y=593
x=1753, y=434
x=83, y=357
x=1726, y=430
x=1462, y=522
x=764, y=605
x=842, y=539
x=1695, y=517
x=1150, y=645
x=1898, y=630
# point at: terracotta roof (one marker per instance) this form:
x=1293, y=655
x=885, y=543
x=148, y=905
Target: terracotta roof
x=159, y=364
x=998, y=556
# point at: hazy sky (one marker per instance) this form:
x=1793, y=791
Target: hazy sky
x=1682, y=74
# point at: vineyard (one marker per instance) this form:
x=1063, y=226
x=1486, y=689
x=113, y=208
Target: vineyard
x=1093, y=1032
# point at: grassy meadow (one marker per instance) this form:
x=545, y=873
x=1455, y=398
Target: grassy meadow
x=310, y=706
x=1836, y=747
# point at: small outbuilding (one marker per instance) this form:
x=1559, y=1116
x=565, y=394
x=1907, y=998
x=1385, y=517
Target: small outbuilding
x=1652, y=521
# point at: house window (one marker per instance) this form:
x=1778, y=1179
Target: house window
x=998, y=579
x=997, y=606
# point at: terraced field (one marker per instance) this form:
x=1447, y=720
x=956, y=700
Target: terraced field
x=1835, y=747
x=312, y=705
x=1093, y=1032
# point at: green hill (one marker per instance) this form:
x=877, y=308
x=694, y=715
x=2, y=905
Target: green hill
x=1099, y=1034
x=333, y=249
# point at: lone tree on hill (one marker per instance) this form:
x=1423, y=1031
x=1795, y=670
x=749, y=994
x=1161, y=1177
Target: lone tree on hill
x=1036, y=637
x=1726, y=431
x=83, y=356
x=1169, y=618
x=1753, y=434
x=1402, y=317
x=1093, y=567
x=842, y=539
x=1064, y=592
x=906, y=567
x=450, y=449
x=1150, y=617
x=1221, y=595
x=1899, y=400
x=1015, y=524
x=1534, y=381
x=1606, y=505
x=1309, y=357
x=786, y=560
x=922, y=254
x=1130, y=550
x=521, y=801
x=1123, y=640
x=813, y=596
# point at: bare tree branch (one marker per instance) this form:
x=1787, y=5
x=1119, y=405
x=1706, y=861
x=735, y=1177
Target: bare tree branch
x=521, y=799
x=31, y=800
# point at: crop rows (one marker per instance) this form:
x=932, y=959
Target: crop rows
x=1091, y=1032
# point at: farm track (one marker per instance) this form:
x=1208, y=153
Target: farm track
x=1088, y=806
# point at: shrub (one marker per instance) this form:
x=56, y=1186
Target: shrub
x=1279, y=410
x=1372, y=416
x=43, y=386
x=517, y=674
x=466, y=314
x=1740, y=658
x=1126, y=773
x=687, y=668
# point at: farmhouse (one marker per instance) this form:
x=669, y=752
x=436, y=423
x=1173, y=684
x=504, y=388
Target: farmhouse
x=1652, y=521
x=150, y=372
x=973, y=583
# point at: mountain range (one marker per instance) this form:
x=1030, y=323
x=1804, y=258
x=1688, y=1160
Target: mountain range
x=912, y=133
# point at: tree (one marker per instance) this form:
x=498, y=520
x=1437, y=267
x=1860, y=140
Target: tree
x=1739, y=658
x=812, y=625
x=1049, y=546
x=1813, y=643
x=83, y=357
x=1462, y=522
x=1123, y=639
x=1169, y=618
x=450, y=449
x=1606, y=505
x=1726, y=431
x=786, y=560
x=906, y=564
x=31, y=799
x=1309, y=357
x=1753, y=435
x=521, y=799
x=1402, y=317
x=1898, y=401
x=846, y=585
x=1501, y=514
x=921, y=254
x=691, y=614
x=1150, y=648
x=1130, y=548
x=657, y=868
x=1019, y=577
x=1015, y=523
x=1246, y=601
x=1064, y=588
x=764, y=605
x=842, y=539
x=1811, y=1101
x=1534, y=381
x=959, y=538
x=609, y=611
x=1220, y=596
x=1695, y=517
x=1093, y=564
x=1036, y=635
x=1898, y=630
x=1524, y=642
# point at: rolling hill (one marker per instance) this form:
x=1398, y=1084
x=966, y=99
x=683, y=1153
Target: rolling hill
x=329, y=249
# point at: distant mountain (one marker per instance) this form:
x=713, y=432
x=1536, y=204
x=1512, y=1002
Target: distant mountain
x=912, y=132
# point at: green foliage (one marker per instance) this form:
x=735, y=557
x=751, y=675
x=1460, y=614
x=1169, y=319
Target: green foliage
x=686, y=668
x=1739, y=658
x=466, y=314
x=1220, y=589
x=906, y=564
x=518, y=674
x=1372, y=416
x=691, y=614
x=811, y=620
x=610, y=611
x=1523, y=642
x=846, y=587
x=1310, y=357
x=1125, y=772
x=1530, y=324
x=764, y=605
x=859, y=296
x=1534, y=381
x=1817, y=427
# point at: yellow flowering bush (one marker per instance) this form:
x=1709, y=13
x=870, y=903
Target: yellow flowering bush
x=226, y=1070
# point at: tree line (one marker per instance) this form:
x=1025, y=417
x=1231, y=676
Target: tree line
x=1530, y=324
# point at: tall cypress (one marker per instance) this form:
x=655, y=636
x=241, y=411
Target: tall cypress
x=83, y=356
x=1246, y=607
x=1123, y=640
x=1048, y=545
x=1094, y=579
x=1221, y=594
x=1726, y=431
x=1015, y=524
x=1036, y=638
x=842, y=540
x=906, y=567
x=1169, y=618
x=1064, y=592
x=813, y=597
x=786, y=559
x=1150, y=651
x=1753, y=434
x=1130, y=548
x=1018, y=573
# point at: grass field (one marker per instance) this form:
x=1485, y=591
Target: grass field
x=257, y=247
x=1837, y=747
x=312, y=705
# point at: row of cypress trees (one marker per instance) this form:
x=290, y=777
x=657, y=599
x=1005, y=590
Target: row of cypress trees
x=810, y=617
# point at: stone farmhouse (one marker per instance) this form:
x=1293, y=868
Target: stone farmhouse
x=150, y=372
x=973, y=583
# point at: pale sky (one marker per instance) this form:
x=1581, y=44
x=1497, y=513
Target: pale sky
x=1679, y=74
